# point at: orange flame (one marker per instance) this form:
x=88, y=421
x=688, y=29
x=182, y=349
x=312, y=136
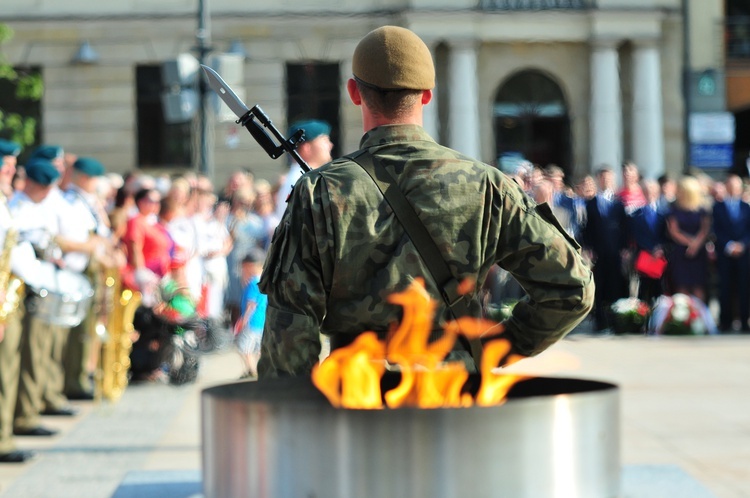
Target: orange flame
x=350, y=376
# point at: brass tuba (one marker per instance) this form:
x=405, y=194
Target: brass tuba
x=114, y=359
x=11, y=284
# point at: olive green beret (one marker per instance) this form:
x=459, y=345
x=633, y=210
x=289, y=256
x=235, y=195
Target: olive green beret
x=394, y=58
x=88, y=166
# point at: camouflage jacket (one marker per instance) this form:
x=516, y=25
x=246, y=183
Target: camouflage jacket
x=339, y=250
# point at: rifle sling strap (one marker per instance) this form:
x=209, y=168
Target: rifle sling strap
x=441, y=274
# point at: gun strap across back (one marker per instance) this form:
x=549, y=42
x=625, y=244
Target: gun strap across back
x=447, y=285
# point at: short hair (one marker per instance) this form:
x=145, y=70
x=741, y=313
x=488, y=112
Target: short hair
x=168, y=205
x=143, y=193
x=665, y=178
x=603, y=169
x=254, y=255
x=554, y=169
x=391, y=104
x=545, y=190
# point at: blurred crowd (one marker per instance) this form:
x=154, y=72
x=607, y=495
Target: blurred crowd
x=190, y=251
x=160, y=223
x=651, y=237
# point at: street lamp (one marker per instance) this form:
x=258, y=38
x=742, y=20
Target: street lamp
x=203, y=37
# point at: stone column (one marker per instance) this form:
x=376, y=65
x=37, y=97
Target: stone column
x=463, y=108
x=430, y=115
x=605, y=134
x=648, y=126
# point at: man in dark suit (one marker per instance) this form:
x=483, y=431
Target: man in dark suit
x=605, y=236
x=562, y=199
x=647, y=230
x=731, y=219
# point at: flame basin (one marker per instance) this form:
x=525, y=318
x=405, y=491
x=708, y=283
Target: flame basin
x=279, y=438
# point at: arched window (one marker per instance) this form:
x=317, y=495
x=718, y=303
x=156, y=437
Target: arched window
x=531, y=122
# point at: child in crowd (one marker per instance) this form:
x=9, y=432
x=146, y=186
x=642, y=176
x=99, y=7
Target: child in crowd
x=249, y=328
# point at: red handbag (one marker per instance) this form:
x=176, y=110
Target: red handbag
x=649, y=265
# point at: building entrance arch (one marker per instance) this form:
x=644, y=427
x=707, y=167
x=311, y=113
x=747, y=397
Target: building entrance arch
x=531, y=122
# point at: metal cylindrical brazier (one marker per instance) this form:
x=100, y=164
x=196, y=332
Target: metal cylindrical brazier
x=281, y=438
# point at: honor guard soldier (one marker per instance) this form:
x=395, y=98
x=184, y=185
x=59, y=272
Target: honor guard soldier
x=315, y=151
x=69, y=237
x=11, y=308
x=340, y=249
x=91, y=220
x=37, y=227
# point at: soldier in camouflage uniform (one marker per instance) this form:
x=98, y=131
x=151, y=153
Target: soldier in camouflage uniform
x=340, y=251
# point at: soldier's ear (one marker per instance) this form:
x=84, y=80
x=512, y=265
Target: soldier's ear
x=426, y=97
x=354, y=95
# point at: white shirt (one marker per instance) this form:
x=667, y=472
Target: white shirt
x=212, y=236
x=185, y=235
x=81, y=200
x=34, y=227
x=75, y=224
x=33, y=220
x=295, y=172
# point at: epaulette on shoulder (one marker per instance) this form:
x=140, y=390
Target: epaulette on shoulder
x=339, y=162
x=342, y=160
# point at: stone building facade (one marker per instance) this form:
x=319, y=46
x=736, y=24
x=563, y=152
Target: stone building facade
x=580, y=83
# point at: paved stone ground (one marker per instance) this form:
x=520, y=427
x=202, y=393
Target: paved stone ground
x=685, y=417
x=152, y=427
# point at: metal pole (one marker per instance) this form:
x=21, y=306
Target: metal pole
x=686, y=79
x=203, y=36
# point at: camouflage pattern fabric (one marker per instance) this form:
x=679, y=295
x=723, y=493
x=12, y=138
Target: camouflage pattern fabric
x=339, y=250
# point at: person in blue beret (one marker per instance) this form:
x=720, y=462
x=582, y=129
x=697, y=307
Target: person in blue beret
x=48, y=152
x=88, y=166
x=52, y=153
x=8, y=148
x=36, y=227
x=86, y=172
x=42, y=172
x=91, y=222
x=10, y=329
x=315, y=151
x=8, y=159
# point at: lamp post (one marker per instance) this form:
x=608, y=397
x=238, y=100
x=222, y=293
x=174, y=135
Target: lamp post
x=686, y=80
x=203, y=37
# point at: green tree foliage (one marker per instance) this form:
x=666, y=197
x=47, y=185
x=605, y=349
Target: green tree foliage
x=28, y=86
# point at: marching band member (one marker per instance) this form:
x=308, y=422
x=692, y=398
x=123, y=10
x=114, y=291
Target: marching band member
x=69, y=237
x=90, y=219
x=37, y=228
x=10, y=330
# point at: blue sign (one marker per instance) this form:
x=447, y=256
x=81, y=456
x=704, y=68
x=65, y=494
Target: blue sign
x=711, y=155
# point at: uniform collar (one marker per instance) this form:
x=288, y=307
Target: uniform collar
x=20, y=197
x=392, y=134
x=82, y=193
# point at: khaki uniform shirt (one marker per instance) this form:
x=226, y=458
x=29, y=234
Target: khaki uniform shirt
x=340, y=251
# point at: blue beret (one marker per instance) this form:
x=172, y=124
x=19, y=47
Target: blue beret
x=8, y=148
x=89, y=166
x=41, y=171
x=313, y=128
x=48, y=152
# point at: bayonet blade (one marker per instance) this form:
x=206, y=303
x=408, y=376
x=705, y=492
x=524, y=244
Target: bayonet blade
x=225, y=92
